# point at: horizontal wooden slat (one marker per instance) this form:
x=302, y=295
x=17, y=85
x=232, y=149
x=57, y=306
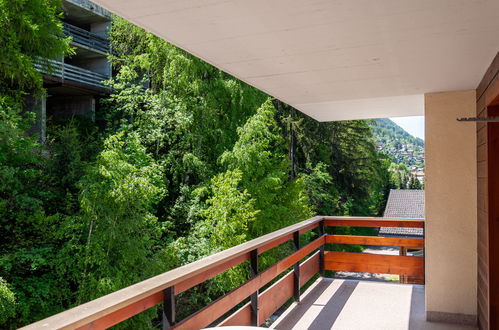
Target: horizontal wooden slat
x=125, y=313
x=374, y=240
x=133, y=299
x=373, y=222
x=309, y=268
x=276, y=295
x=374, y=263
x=213, y=311
x=240, y=317
x=98, y=308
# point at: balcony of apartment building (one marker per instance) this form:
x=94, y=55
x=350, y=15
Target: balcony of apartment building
x=87, y=24
x=298, y=292
x=74, y=84
x=340, y=60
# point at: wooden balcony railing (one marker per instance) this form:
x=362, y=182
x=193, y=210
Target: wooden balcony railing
x=116, y=307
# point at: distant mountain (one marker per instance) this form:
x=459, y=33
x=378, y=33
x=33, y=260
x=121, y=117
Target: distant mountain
x=402, y=147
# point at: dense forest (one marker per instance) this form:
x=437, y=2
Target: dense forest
x=193, y=164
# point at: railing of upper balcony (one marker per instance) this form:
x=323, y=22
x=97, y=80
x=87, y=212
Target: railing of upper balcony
x=86, y=38
x=70, y=72
x=113, y=308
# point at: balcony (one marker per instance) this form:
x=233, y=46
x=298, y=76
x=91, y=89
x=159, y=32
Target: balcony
x=86, y=39
x=351, y=304
x=326, y=300
x=71, y=73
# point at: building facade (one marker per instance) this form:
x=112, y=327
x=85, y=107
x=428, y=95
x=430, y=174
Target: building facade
x=74, y=84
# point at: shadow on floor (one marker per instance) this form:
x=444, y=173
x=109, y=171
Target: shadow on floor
x=351, y=304
x=329, y=310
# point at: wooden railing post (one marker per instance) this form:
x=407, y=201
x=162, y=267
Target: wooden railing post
x=321, y=249
x=296, y=270
x=116, y=307
x=254, y=297
x=168, y=308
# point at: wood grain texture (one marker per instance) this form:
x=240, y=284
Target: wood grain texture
x=98, y=308
x=125, y=313
x=374, y=263
x=281, y=291
x=373, y=222
x=374, y=240
x=240, y=317
x=493, y=216
x=210, y=313
x=274, y=296
x=488, y=77
x=135, y=298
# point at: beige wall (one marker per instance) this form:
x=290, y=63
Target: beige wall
x=451, y=207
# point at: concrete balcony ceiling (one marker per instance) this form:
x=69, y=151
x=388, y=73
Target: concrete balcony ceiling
x=333, y=59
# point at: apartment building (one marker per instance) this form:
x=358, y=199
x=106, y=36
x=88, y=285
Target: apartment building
x=74, y=84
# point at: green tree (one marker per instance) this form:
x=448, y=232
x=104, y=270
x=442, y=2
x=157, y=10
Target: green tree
x=119, y=228
x=7, y=302
x=31, y=30
x=259, y=154
x=225, y=220
x=414, y=183
x=237, y=165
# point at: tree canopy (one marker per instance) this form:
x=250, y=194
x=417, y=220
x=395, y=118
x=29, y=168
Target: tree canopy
x=182, y=161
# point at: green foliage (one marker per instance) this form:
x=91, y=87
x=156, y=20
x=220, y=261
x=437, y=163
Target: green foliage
x=399, y=176
x=359, y=173
x=7, y=302
x=31, y=29
x=188, y=106
x=414, y=183
x=322, y=192
x=230, y=212
x=117, y=198
x=225, y=220
x=260, y=155
x=236, y=164
x=22, y=189
x=40, y=290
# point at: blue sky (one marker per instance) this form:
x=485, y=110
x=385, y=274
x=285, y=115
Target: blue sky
x=413, y=125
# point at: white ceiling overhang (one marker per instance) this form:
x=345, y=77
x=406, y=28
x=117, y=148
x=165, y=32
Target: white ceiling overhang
x=333, y=59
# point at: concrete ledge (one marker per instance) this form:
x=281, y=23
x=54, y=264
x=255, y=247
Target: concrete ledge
x=463, y=319
x=90, y=6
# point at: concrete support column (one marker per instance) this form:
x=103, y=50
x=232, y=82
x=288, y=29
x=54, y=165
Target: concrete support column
x=38, y=106
x=451, y=208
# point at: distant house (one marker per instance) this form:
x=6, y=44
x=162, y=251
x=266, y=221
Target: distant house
x=420, y=176
x=404, y=204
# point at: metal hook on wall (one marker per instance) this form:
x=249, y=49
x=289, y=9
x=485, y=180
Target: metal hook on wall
x=476, y=119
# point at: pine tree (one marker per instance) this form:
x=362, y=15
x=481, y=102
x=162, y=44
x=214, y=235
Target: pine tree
x=414, y=183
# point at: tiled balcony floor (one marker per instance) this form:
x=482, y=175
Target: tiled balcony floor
x=351, y=305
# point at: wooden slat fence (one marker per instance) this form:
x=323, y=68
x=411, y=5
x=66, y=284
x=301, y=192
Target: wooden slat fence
x=307, y=261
